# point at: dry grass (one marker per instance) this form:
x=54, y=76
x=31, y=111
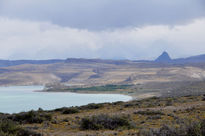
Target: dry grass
x=151, y=113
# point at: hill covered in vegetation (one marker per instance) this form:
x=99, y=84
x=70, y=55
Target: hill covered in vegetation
x=170, y=116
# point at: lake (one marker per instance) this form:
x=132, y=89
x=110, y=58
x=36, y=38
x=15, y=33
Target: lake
x=23, y=98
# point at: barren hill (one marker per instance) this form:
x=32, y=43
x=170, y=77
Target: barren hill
x=99, y=73
x=89, y=72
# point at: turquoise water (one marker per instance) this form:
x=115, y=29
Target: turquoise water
x=23, y=98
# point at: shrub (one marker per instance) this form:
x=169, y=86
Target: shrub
x=92, y=106
x=24, y=132
x=193, y=129
x=166, y=131
x=155, y=117
x=169, y=102
x=70, y=110
x=132, y=104
x=31, y=117
x=73, y=110
x=104, y=122
x=117, y=103
x=60, y=109
x=10, y=128
x=149, y=112
x=190, y=129
x=203, y=97
x=203, y=127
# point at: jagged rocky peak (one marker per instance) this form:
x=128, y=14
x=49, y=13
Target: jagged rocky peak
x=164, y=57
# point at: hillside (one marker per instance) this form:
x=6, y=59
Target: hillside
x=89, y=72
x=172, y=116
x=193, y=59
x=98, y=73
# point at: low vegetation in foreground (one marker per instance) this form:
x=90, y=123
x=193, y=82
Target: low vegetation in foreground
x=173, y=116
x=12, y=128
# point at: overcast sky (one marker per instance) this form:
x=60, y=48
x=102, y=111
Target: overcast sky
x=108, y=29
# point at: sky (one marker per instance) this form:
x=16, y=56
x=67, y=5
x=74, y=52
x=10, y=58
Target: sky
x=106, y=29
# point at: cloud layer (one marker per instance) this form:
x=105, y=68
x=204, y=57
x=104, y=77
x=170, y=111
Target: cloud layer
x=20, y=39
x=104, y=14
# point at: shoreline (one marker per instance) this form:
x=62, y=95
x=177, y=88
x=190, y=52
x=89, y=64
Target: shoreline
x=139, y=96
x=89, y=92
x=134, y=96
x=69, y=103
x=156, y=111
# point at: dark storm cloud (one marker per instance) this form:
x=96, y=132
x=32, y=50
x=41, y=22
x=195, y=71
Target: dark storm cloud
x=104, y=14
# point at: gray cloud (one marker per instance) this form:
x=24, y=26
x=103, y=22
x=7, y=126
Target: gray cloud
x=110, y=29
x=104, y=14
x=21, y=39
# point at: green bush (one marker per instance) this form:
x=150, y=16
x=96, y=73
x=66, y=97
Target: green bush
x=190, y=129
x=31, y=117
x=91, y=106
x=203, y=127
x=149, y=112
x=10, y=128
x=169, y=102
x=104, y=122
x=154, y=117
x=71, y=110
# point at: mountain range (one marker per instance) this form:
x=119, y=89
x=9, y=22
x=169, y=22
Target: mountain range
x=163, y=58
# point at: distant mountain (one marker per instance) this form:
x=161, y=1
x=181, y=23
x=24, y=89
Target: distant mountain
x=82, y=60
x=164, y=57
x=193, y=59
x=6, y=63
